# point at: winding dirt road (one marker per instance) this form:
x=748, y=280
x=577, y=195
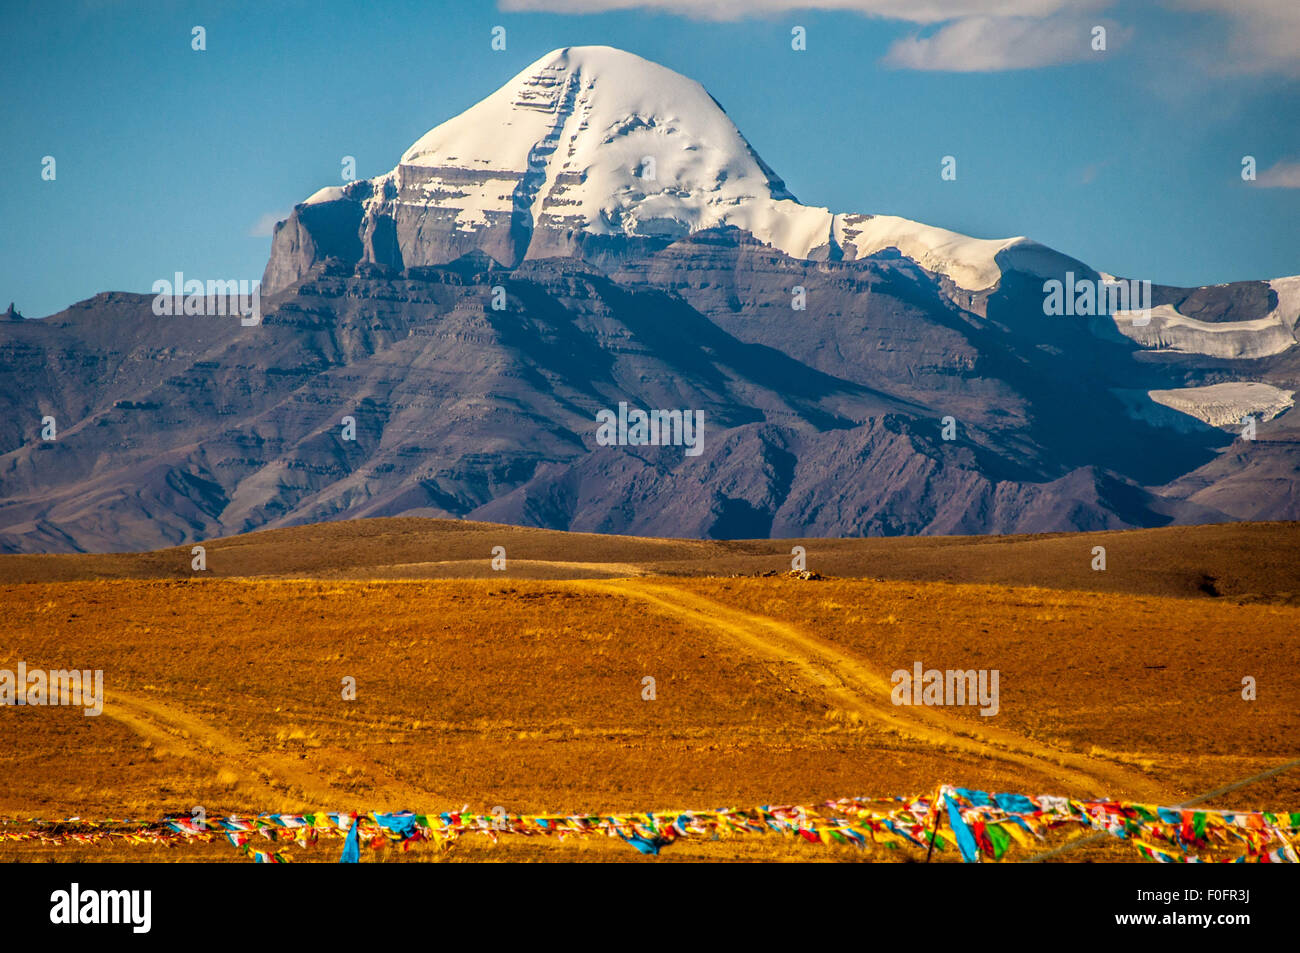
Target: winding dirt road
x=852, y=684
x=181, y=734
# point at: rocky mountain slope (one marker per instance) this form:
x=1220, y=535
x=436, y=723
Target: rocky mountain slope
x=598, y=233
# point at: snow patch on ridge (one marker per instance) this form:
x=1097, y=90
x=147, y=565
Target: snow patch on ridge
x=331, y=193
x=1169, y=330
x=970, y=262
x=1223, y=405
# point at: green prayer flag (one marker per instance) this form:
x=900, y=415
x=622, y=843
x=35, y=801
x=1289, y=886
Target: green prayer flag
x=1000, y=839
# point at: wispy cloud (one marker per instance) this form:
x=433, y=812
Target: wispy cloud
x=1242, y=36
x=264, y=227
x=912, y=11
x=1262, y=36
x=987, y=44
x=1283, y=175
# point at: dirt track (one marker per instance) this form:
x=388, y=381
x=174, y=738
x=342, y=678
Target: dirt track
x=855, y=686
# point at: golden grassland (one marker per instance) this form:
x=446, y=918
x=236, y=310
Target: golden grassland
x=1244, y=562
x=528, y=694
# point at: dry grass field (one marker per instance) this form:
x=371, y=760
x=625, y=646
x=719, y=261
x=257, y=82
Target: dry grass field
x=224, y=689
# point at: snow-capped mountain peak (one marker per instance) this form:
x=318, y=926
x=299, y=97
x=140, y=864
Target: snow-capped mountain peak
x=585, y=146
x=607, y=141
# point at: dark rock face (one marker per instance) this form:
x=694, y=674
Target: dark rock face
x=419, y=235
x=312, y=234
x=826, y=421
x=1239, y=301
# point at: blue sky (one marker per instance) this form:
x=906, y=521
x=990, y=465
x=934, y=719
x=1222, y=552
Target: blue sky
x=1130, y=159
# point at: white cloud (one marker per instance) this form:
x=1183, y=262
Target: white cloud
x=264, y=227
x=1247, y=36
x=1284, y=175
x=913, y=11
x=1263, y=36
x=985, y=44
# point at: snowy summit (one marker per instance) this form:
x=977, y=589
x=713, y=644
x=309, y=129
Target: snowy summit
x=591, y=143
